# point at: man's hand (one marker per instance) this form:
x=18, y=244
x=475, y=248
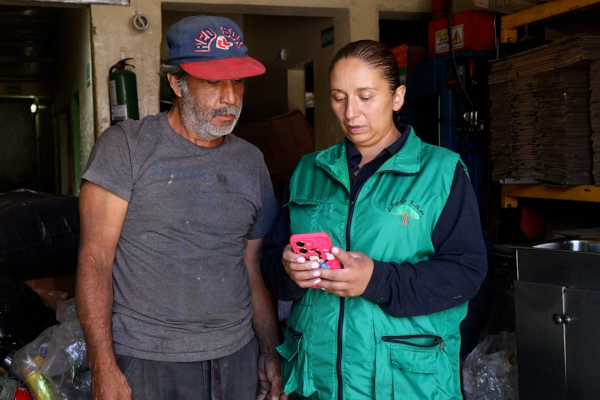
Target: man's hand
x=110, y=384
x=269, y=373
x=350, y=281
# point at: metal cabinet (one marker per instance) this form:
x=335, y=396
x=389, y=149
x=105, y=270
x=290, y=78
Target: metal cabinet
x=557, y=313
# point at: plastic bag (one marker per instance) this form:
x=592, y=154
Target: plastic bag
x=490, y=370
x=54, y=365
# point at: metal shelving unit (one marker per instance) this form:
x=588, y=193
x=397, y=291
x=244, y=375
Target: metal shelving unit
x=511, y=192
x=511, y=22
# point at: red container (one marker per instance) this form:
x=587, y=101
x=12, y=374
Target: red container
x=23, y=393
x=471, y=30
x=439, y=9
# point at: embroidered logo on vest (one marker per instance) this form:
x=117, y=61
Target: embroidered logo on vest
x=410, y=210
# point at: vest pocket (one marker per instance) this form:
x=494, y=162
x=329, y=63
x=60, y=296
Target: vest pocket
x=306, y=215
x=295, y=371
x=413, y=361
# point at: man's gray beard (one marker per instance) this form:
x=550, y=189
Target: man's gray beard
x=199, y=120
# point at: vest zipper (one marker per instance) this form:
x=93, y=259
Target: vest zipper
x=409, y=340
x=338, y=366
x=294, y=334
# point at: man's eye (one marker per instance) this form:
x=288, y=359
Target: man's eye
x=365, y=98
x=238, y=81
x=213, y=82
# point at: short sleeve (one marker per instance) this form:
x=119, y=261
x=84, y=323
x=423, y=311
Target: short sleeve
x=110, y=164
x=268, y=211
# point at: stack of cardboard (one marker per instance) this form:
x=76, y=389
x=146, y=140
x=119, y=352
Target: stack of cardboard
x=540, y=112
x=595, y=117
x=566, y=146
x=577, y=51
x=526, y=127
x=502, y=135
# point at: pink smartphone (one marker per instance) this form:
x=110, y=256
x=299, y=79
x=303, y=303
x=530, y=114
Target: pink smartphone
x=315, y=247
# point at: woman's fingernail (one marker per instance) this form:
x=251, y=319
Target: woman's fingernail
x=317, y=273
x=314, y=265
x=335, y=250
x=301, y=259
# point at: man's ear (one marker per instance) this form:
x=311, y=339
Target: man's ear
x=174, y=83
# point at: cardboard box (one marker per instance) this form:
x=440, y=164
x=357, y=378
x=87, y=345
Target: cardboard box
x=282, y=139
x=54, y=289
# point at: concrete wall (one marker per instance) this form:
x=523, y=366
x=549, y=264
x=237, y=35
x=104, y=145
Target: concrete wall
x=114, y=38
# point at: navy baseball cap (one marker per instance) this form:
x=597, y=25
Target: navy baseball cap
x=211, y=48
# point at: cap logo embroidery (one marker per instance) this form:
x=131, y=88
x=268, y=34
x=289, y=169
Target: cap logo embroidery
x=203, y=40
x=232, y=35
x=222, y=43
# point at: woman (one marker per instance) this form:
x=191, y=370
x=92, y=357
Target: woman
x=386, y=325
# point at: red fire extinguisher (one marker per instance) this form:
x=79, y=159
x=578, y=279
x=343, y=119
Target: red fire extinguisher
x=122, y=88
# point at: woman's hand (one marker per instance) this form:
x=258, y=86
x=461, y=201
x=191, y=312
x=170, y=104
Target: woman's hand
x=302, y=271
x=350, y=281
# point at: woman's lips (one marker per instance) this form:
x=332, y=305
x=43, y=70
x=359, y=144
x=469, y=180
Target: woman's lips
x=354, y=128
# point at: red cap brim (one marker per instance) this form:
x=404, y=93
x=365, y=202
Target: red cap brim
x=224, y=69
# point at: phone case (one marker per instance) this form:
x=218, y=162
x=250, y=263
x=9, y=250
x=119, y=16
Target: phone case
x=316, y=247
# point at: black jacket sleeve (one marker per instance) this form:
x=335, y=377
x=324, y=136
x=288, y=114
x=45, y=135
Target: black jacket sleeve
x=273, y=272
x=452, y=276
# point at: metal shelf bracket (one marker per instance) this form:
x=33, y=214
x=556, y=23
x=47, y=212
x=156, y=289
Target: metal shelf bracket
x=512, y=192
x=511, y=22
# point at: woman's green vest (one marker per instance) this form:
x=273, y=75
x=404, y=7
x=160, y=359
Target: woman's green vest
x=348, y=348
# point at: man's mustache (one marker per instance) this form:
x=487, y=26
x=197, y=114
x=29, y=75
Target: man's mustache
x=228, y=110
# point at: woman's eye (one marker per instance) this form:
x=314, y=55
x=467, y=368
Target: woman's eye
x=365, y=98
x=338, y=99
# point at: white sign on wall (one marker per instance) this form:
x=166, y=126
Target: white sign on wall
x=441, y=39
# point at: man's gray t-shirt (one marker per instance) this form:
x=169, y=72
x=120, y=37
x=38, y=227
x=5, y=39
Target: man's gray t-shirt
x=181, y=290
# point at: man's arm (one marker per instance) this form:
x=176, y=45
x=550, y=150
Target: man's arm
x=266, y=327
x=102, y=214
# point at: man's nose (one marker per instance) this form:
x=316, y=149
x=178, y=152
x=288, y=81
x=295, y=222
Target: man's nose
x=229, y=94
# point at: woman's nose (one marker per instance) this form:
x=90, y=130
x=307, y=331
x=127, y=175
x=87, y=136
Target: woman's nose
x=351, y=109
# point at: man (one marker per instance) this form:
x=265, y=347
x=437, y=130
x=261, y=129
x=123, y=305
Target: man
x=173, y=215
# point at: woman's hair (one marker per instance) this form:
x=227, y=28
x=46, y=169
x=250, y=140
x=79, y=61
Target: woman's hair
x=179, y=73
x=376, y=55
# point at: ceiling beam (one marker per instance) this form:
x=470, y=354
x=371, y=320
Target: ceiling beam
x=511, y=22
